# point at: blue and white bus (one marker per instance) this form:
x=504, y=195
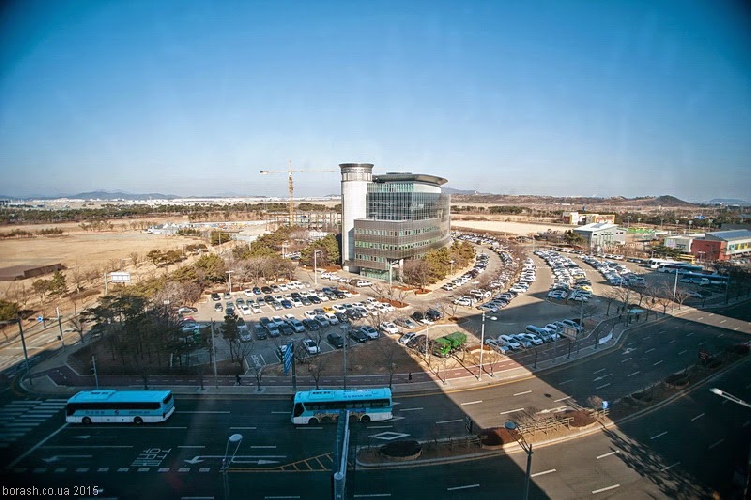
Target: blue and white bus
x=312, y=407
x=120, y=406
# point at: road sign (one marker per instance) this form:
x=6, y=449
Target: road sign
x=288, y=358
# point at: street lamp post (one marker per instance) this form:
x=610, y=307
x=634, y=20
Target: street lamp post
x=315, y=266
x=512, y=427
x=730, y=397
x=482, y=342
x=234, y=439
x=23, y=344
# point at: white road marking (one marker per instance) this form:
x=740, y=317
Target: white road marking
x=523, y=392
x=604, y=386
x=309, y=428
x=542, y=473
x=716, y=444
x=723, y=321
x=444, y=421
x=649, y=350
x=207, y=411
x=682, y=352
x=672, y=342
x=566, y=381
x=689, y=334
x=244, y=428
x=511, y=411
x=657, y=363
x=607, y=454
x=561, y=399
x=463, y=487
x=611, y=487
x=666, y=468
x=635, y=373
x=598, y=371
x=659, y=435
x=697, y=417
x=411, y=409
x=189, y=446
x=627, y=359
x=471, y=403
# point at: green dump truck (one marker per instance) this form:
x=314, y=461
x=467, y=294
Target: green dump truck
x=445, y=346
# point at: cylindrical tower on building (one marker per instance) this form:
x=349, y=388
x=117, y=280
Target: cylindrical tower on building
x=355, y=180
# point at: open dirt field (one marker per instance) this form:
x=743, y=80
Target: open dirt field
x=512, y=228
x=78, y=247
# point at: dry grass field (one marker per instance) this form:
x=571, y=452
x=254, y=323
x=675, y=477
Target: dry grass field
x=77, y=247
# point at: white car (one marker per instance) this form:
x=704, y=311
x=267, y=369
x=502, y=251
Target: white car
x=339, y=308
x=407, y=338
x=333, y=320
x=389, y=327
x=509, y=341
x=311, y=346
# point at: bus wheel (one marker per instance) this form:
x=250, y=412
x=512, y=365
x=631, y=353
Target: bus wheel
x=365, y=418
x=352, y=419
x=325, y=420
x=86, y=420
x=313, y=421
x=138, y=420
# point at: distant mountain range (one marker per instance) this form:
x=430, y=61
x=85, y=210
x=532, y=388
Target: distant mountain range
x=728, y=201
x=465, y=195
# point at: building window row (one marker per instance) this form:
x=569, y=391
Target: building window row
x=369, y=258
x=386, y=246
x=406, y=232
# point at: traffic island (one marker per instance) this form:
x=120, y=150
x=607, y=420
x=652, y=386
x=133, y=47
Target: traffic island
x=401, y=451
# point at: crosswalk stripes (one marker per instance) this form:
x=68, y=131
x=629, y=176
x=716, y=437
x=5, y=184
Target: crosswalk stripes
x=18, y=418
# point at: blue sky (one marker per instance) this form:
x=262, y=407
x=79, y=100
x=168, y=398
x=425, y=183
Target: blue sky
x=630, y=98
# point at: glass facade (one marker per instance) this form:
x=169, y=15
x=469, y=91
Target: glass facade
x=407, y=215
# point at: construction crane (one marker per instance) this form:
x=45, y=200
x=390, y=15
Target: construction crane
x=289, y=172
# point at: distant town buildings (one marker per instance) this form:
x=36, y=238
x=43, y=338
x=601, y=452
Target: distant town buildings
x=601, y=235
x=390, y=217
x=580, y=219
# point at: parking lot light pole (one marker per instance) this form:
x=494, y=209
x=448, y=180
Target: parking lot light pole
x=315, y=266
x=513, y=428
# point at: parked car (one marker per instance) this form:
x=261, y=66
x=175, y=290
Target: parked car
x=260, y=332
x=407, y=338
x=335, y=340
x=218, y=307
x=311, y=346
x=358, y=336
x=311, y=324
x=390, y=328
x=186, y=310
x=215, y=297
x=371, y=332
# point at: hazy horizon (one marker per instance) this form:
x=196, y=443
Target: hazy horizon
x=547, y=98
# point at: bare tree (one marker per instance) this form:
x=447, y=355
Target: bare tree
x=135, y=257
x=664, y=298
x=388, y=352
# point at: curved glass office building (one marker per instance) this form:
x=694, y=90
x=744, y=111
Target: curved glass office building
x=406, y=215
